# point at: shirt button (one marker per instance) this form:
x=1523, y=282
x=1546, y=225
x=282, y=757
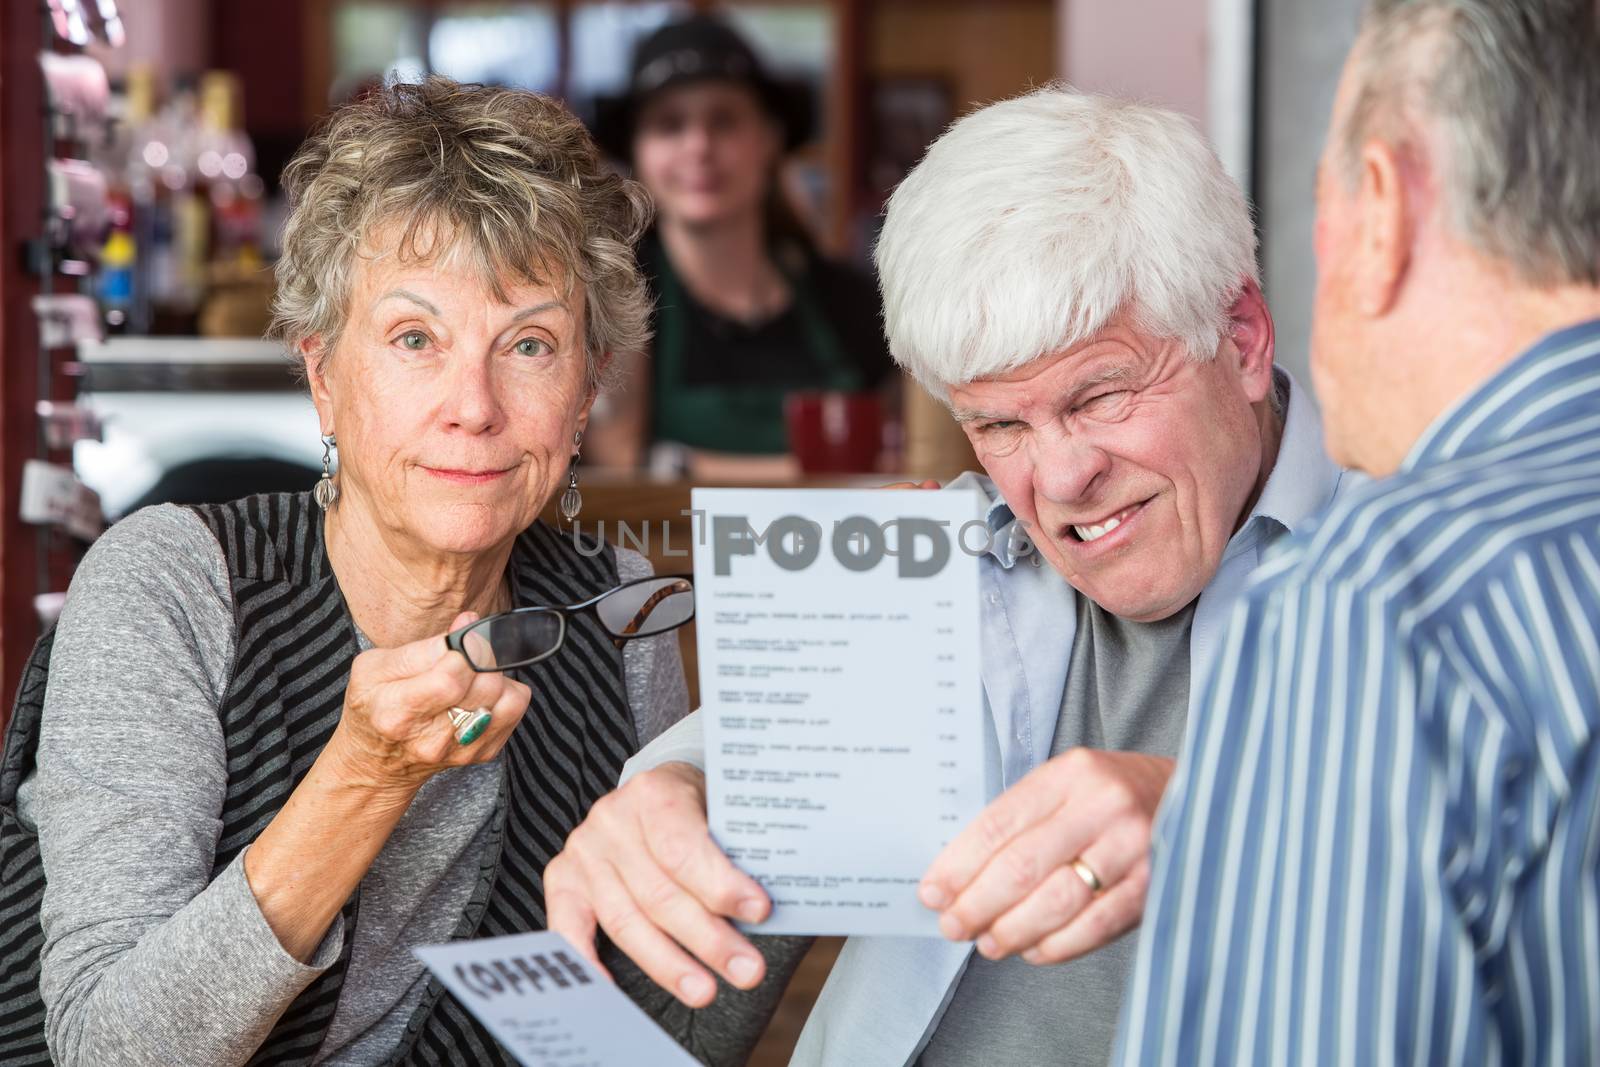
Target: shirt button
x=994, y=598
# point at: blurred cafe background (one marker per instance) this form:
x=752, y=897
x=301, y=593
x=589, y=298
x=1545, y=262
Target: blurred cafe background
x=141, y=143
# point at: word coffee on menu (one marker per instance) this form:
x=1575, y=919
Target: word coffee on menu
x=838, y=641
x=547, y=1005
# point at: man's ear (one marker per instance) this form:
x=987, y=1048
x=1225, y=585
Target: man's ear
x=314, y=354
x=1252, y=333
x=1386, y=207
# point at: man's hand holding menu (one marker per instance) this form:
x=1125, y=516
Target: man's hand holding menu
x=643, y=867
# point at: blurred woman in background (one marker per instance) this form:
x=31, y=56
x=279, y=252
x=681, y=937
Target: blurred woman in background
x=747, y=312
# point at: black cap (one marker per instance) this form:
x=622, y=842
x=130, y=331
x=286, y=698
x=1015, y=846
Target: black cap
x=700, y=48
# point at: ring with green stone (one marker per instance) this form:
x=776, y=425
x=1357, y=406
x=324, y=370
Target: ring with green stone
x=469, y=724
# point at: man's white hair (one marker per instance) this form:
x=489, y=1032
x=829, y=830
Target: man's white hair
x=1031, y=222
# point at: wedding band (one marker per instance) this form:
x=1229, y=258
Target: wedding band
x=469, y=724
x=1086, y=872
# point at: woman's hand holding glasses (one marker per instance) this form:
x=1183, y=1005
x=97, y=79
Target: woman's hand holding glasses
x=412, y=711
x=393, y=732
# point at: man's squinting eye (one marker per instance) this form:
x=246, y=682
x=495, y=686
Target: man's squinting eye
x=1000, y=425
x=531, y=346
x=1101, y=401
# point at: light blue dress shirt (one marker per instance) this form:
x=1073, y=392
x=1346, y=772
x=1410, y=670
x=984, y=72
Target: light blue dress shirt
x=885, y=995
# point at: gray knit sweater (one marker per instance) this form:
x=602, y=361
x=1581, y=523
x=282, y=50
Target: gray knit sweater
x=146, y=960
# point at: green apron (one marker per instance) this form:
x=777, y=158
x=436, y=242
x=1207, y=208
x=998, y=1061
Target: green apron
x=733, y=417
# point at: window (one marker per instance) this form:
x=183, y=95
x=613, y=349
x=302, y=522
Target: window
x=603, y=36
x=578, y=50
x=497, y=44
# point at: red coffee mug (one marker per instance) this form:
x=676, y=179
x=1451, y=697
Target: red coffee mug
x=835, y=432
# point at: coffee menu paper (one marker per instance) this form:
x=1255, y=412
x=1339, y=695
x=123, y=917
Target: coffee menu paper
x=548, y=1005
x=839, y=690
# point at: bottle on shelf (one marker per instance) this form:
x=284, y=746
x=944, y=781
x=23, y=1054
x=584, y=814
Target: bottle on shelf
x=187, y=253
x=226, y=162
x=179, y=293
x=118, y=260
x=239, y=289
x=124, y=258
x=153, y=155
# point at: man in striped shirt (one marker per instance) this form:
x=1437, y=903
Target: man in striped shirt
x=1383, y=841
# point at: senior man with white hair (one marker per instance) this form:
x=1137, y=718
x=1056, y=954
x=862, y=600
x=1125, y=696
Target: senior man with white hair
x=1075, y=276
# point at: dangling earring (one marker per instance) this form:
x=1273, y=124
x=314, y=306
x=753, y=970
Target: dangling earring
x=572, y=500
x=327, y=491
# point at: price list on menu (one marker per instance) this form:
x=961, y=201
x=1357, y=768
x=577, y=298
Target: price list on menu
x=840, y=695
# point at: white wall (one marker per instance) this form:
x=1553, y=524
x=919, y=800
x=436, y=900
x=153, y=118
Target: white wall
x=1198, y=56
x=1195, y=56
x=1154, y=50
x=1303, y=50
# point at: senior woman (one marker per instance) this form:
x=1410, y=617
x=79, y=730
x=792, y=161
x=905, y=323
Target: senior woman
x=248, y=792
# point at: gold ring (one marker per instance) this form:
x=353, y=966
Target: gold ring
x=469, y=725
x=1086, y=872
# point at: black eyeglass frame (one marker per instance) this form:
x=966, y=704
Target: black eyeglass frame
x=456, y=640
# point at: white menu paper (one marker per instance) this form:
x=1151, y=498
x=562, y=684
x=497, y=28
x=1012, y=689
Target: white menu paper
x=839, y=689
x=548, y=1005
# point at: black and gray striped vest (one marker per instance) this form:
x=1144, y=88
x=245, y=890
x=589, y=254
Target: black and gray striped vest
x=294, y=644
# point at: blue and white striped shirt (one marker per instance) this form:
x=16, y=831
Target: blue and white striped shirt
x=1383, y=842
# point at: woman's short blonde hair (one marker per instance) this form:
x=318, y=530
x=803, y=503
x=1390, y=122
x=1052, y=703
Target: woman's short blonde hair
x=507, y=181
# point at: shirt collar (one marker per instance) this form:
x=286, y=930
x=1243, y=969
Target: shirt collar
x=1529, y=393
x=1303, y=478
x=1302, y=482
x=1005, y=534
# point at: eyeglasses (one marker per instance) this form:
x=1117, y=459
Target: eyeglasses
x=644, y=607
